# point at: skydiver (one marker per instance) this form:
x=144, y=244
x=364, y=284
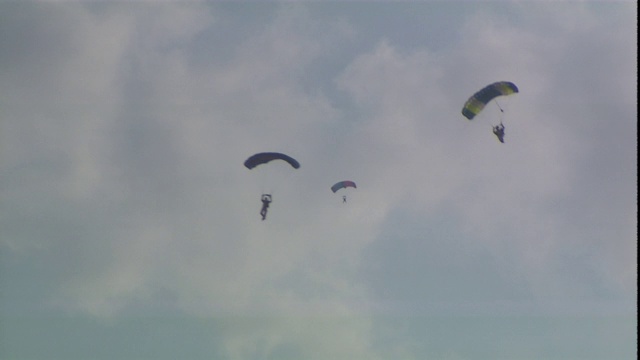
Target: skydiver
x=266, y=200
x=344, y=198
x=498, y=130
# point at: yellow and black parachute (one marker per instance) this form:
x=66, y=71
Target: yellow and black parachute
x=477, y=102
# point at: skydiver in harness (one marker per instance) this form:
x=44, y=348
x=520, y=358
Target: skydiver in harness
x=344, y=198
x=266, y=200
x=498, y=130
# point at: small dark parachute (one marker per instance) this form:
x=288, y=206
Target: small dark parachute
x=343, y=184
x=265, y=157
x=477, y=102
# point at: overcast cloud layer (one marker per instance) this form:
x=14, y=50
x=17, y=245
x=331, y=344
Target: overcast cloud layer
x=130, y=229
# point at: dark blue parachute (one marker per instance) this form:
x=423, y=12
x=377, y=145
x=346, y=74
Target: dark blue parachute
x=265, y=157
x=343, y=184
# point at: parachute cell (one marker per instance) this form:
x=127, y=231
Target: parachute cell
x=343, y=184
x=477, y=102
x=263, y=158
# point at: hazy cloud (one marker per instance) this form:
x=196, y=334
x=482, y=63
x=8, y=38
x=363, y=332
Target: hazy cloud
x=124, y=130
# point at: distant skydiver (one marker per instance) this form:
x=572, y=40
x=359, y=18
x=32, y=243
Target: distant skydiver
x=498, y=130
x=490, y=93
x=266, y=200
x=342, y=185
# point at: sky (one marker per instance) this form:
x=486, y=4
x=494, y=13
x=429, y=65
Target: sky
x=130, y=229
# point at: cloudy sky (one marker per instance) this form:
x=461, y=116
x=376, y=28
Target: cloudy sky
x=130, y=229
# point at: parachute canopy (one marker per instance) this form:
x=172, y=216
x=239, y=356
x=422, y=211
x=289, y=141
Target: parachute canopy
x=343, y=184
x=476, y=103
x=265, y=157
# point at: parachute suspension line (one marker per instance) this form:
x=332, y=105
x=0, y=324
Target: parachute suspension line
x=490, y=120
x=263, y=181
x=269, y=180
x=501, y=110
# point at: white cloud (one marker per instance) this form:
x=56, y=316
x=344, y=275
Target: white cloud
x=122, y=157
x=510, y=196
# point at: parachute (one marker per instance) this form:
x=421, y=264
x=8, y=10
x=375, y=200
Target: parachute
x=477, y=102
x=343, y=184
x=268, y=185
x=265, y=157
